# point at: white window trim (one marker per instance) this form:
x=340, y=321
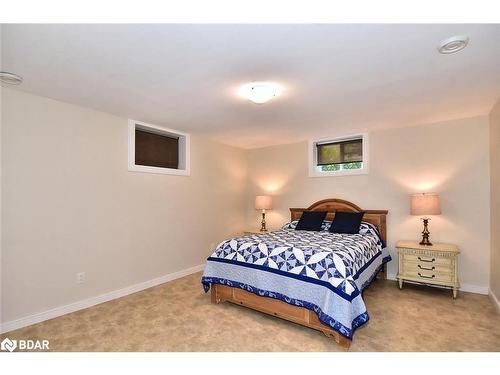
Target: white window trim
x=312, y=157
x=184, y=150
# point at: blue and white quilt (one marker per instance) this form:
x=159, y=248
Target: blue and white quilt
x=321, y=271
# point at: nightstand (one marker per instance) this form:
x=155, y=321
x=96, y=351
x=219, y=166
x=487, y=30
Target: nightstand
x=432, y=265
x=254, y=231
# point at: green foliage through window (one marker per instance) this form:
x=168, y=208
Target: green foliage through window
x=338, y=167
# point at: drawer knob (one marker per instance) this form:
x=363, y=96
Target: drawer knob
x=426, y=277
x=427, y=260
x=427, y=269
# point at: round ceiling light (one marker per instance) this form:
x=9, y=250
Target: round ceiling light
x=10, y=78
x=260, y=92
x=453, y=44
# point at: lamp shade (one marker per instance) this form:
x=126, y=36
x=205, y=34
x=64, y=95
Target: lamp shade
x=425, y=204
x=263, y=202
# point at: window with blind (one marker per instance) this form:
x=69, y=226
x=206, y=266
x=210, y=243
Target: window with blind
x=339, y=156
x=156, y=149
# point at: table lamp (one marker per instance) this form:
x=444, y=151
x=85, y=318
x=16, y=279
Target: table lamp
x=263, y=202
x=425, y=204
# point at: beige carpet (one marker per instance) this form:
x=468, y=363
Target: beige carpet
x=178, y=316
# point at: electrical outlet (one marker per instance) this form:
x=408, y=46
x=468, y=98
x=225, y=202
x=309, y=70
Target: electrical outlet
x=80, y=277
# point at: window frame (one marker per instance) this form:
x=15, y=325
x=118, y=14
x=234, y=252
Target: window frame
x=184, y=149
x=313, y=157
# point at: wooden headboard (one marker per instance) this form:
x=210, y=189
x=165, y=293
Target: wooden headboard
x=376, y=217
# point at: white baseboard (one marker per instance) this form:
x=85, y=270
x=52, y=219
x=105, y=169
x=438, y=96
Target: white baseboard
x=474, y=289
x=495, y=300
x=463, y=287
x=63, y=310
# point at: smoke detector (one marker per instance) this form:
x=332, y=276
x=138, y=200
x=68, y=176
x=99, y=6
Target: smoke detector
x=454, y=44
x=10, y=78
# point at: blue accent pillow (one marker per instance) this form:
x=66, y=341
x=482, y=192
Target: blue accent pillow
x=346, y=222
x=311, y=220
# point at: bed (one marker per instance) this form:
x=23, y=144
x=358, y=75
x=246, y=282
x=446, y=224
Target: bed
x=315, y=279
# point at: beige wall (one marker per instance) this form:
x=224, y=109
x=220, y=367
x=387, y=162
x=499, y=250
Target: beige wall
x=450, y=158
x=70, y=205
x=1, y=175
x=495, y=200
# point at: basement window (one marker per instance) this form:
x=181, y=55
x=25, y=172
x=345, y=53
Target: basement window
x=155, y=149
x=339, y=156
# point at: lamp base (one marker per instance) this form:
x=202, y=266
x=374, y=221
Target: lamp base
x=425, y=233
x=263, y=222
x=425, y=242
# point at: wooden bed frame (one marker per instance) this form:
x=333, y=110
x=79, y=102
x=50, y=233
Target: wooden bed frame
x=296, y=314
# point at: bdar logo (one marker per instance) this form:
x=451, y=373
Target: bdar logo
x=8, y=344
x=11, y=345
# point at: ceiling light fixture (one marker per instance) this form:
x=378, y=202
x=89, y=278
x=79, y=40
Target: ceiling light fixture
x=10, y=78
x=454, y=44
x=260, y=92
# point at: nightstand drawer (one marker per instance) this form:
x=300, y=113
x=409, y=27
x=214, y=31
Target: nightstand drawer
x=429, y=276
x=428, y=267
x=426, y=259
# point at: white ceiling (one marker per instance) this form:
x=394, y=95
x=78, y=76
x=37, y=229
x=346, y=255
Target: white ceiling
x=338, y=79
